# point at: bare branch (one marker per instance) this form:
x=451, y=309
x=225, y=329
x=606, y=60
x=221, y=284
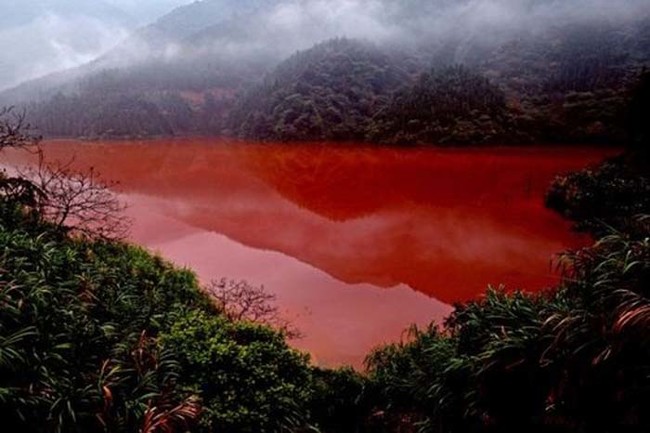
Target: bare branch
x=239, y=300
x=14, y=130
x=78, y=201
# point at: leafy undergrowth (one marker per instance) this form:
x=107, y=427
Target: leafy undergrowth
x=573, y=359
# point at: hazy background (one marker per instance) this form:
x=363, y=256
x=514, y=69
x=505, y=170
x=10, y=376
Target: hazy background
x=145, y=11
x=277, y=28
x=42, y=36
x=38, y=37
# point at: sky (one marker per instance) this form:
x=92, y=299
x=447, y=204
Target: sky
x=38, y=37
x=146, y=11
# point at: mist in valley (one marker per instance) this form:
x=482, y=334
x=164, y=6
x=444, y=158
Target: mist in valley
x=39, y=37
x=269, y=31
x=188, y=71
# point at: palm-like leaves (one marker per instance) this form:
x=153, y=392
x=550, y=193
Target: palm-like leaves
x=576, y=358
x=73, y=356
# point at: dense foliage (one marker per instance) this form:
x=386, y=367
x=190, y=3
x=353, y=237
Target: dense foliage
x=572, y=84
x=78, y=323
x=614, y=194
x=151, y=100
x=604, y=198
x=451, y=105
x=248, y=378
x=574, y=359
x=331, y=92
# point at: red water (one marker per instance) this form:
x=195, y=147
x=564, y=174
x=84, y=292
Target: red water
x=357, y=242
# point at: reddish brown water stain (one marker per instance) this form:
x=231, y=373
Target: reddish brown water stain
x=327, y=226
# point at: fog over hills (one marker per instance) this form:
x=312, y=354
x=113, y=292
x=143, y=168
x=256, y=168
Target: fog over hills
x=284, y=26
x=186, y=71
x=39, y=37
x=146, y=11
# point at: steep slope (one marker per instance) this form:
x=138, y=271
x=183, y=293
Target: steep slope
x=328, y=92
x=571, y=83
x=449, y=105
x=186, y=20
x=162, y=46
x=155, y=83
x=564, y=68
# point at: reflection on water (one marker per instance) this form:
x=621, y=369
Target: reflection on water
x=357, y=242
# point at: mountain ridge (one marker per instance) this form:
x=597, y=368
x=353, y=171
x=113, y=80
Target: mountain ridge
x=566, y=80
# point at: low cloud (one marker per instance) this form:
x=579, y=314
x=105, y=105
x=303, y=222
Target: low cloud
x=53, y=42
x=275, y=29
x=282, y=27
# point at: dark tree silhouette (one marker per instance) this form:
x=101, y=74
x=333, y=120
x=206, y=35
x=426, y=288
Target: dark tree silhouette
x=242, y=301
x=80, y=202
x=639, y=117
x=14, y=129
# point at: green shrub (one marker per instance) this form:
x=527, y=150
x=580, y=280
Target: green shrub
x=248, y=378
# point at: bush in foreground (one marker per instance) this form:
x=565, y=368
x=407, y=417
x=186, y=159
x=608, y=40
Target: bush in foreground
x=573, y=359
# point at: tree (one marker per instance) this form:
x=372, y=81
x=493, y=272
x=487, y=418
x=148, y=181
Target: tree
x=79, y=202
x=609, y=196
x=14, y=130
x=241, y=301
x=451, y=105
x=248, y=378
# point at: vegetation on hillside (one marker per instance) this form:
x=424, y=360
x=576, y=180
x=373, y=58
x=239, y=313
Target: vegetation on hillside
x=330, y=92
x=154, y=99
x=573, y=359
x=615, y=194
x=452, y=105
x=569, y=83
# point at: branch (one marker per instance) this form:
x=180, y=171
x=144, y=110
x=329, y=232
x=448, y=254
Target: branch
x=241, y=301
x=15, y=132
x=79, y=202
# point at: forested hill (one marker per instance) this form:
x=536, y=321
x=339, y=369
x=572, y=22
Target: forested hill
x=216, y=68
x=572, y=86
x=331, y=91
x=160, y=60
x=344, y=89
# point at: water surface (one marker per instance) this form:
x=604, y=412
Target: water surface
x=357, y=242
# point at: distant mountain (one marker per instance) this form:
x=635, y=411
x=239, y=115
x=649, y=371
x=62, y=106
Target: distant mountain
x=146, y=11
x=552, y=70
x=190, y=19
x=41, y=36
x=165, y=46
